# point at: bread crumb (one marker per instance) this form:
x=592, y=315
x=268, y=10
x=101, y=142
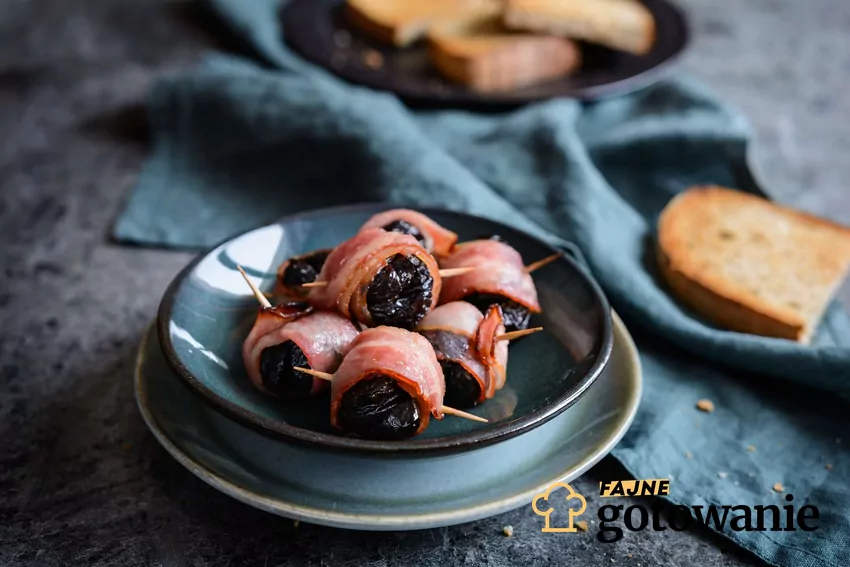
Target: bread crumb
x=705, y=405
x=722, y=474
x=373, y=59
x=828, y=467
x=581, y=525
x=751, y=448
x=778, y=487
x=629, y=555
x=508, y=531
x=689, y=455
x=296, y=523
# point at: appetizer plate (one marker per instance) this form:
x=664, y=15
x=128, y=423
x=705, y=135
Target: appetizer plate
x=208, y=311
x=317, y=30
x=349, y=490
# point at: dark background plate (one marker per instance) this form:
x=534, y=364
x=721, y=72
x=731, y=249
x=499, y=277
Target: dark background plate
x=316, y=29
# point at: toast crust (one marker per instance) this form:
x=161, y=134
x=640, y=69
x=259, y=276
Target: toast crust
x=728, y=302
x=625, y=25
x=401, y=23
x=484, y=57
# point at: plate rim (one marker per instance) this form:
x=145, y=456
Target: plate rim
x=453, y=444
x=470, y=98
x=358, y=521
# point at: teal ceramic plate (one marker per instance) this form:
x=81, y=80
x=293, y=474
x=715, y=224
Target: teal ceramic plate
x=208, y=310
x=354, y=491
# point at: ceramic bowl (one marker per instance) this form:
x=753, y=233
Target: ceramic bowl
x=208, y=310
x=403, y=492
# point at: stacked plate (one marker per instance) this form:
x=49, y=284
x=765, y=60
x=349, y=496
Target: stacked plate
x=571, y=393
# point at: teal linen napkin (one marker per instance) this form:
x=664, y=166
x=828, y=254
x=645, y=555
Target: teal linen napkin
x=241, y=141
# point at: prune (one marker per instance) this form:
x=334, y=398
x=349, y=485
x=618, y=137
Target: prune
x=304, y=269
x=400, y=294
x=378, y=408
x=516, y=316
x=405, y=227
x=462, y=389
x=447, y=344
x=276, y=363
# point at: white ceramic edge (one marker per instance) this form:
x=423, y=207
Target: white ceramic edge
x=376, y=522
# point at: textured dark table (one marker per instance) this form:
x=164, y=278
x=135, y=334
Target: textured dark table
x=81, y=479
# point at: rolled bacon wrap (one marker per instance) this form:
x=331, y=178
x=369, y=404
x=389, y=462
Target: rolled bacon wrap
x=499, y=269
x=451, y=330
x=492, y=352
x=438, y=240
x=460, y=333
x=402, y=355
x=323, y=336
x=352, y=265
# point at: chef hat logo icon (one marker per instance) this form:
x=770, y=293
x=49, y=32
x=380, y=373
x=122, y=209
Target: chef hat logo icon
x=546, y=512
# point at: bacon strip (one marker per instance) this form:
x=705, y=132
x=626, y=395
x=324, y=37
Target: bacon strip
x=458, y=317
x=404, y=356
x=499, y=269
x=439, y=241
x=493, y=353
x=450, y=329
x=484, y=357
x=353, y=264
x=323, y=337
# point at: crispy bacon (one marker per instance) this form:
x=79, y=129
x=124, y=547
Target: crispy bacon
x=493, y=353
x=499, y=269
x=323, y=336
x=402, y=355
x=459, y=332
x=450, y=329
x=353, y=264
x=438, y=240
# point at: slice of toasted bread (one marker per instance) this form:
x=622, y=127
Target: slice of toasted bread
x=751, y=265
x=624, y=25
x=402, y=22
x=478, y=52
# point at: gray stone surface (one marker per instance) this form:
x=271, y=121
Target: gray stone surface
x=81, y=480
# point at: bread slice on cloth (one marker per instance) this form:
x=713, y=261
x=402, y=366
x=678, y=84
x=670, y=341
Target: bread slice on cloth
x=751, y=265
x=477, y=51
x=624, y=25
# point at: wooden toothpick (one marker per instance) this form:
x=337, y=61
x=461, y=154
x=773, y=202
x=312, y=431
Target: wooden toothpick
x=540, y=263
x=316, y=373
x=257, y=293
x=463, y=414
x=452, y=272
x=517, y=334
